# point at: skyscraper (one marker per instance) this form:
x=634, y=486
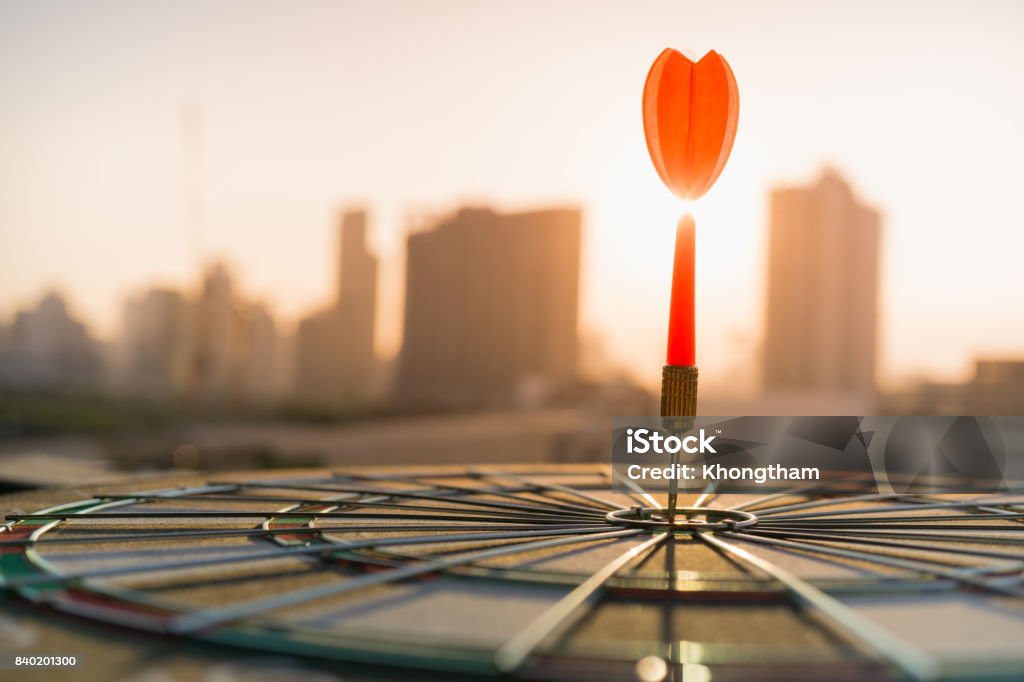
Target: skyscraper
x=335, y=362
x=490, y=308
x=822, y=304
x=47, y=347
x=214, y=348
x=357, y=302
x=154, y=342
x=216, y=341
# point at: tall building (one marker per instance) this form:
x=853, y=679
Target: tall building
x=335, y=363
x=216, y=348
x=490, y=308
x=47, y=348
x=153, y=344
x=822, y=305
x=216, y=341
x=231, y=358
x=356, y=302
x=259, y=377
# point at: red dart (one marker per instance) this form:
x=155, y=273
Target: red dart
x=690, y=113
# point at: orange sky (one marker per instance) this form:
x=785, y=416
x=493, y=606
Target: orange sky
x=413, y=107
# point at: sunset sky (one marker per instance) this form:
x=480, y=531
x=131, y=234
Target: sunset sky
x=416, y=107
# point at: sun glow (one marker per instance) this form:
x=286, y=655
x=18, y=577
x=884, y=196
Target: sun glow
x=633, y=224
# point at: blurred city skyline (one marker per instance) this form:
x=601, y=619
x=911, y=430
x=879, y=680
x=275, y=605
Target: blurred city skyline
x=413, y=109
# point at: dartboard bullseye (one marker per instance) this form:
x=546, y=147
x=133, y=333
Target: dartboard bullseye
x=541, y=573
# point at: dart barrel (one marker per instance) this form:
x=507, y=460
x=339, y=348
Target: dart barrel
x=678, y=409
x=679, y=391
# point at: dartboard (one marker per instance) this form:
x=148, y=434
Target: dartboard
x=540, y=573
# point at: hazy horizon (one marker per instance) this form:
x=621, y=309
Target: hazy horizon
x=411, y=108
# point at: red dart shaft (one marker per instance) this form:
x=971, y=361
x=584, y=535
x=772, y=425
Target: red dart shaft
x=681, y=327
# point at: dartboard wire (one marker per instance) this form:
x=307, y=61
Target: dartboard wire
x=767, y=521
x=832, y=537
x=802, y=490
x=493, y=492
x=131, y=596
x=672, y=645
x=968, y=576
x=635, y=487
x=853, y=527
x=448, y=516
x=1005, y=509
x=551, y=487
x=175, y=493
x=302, y=508
x=708, y=495
x=30, y=552
x=844, y=499
x=522, y=508
x=890, y=520
x=297, y=507
x=462, y=473
x=33, y=557
x=786, y=494
x=914, y=663
x=417, y=479
x=448, y=498
x=560, y=615
x=938, y=524
x=810, y=487
x=375, y=501
x=963, y=534
x=945, y=536
x=256, y=532
x=813, y=504
x=961, y=504
x=546, y=505
x=199, y=620
x=610, y=475
x=531, y=486
x=768, y=514
x=650, y=557
x=279, y=553
x=845, y=533
x=61, y=517
x=123, y=595
x=202, y=494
